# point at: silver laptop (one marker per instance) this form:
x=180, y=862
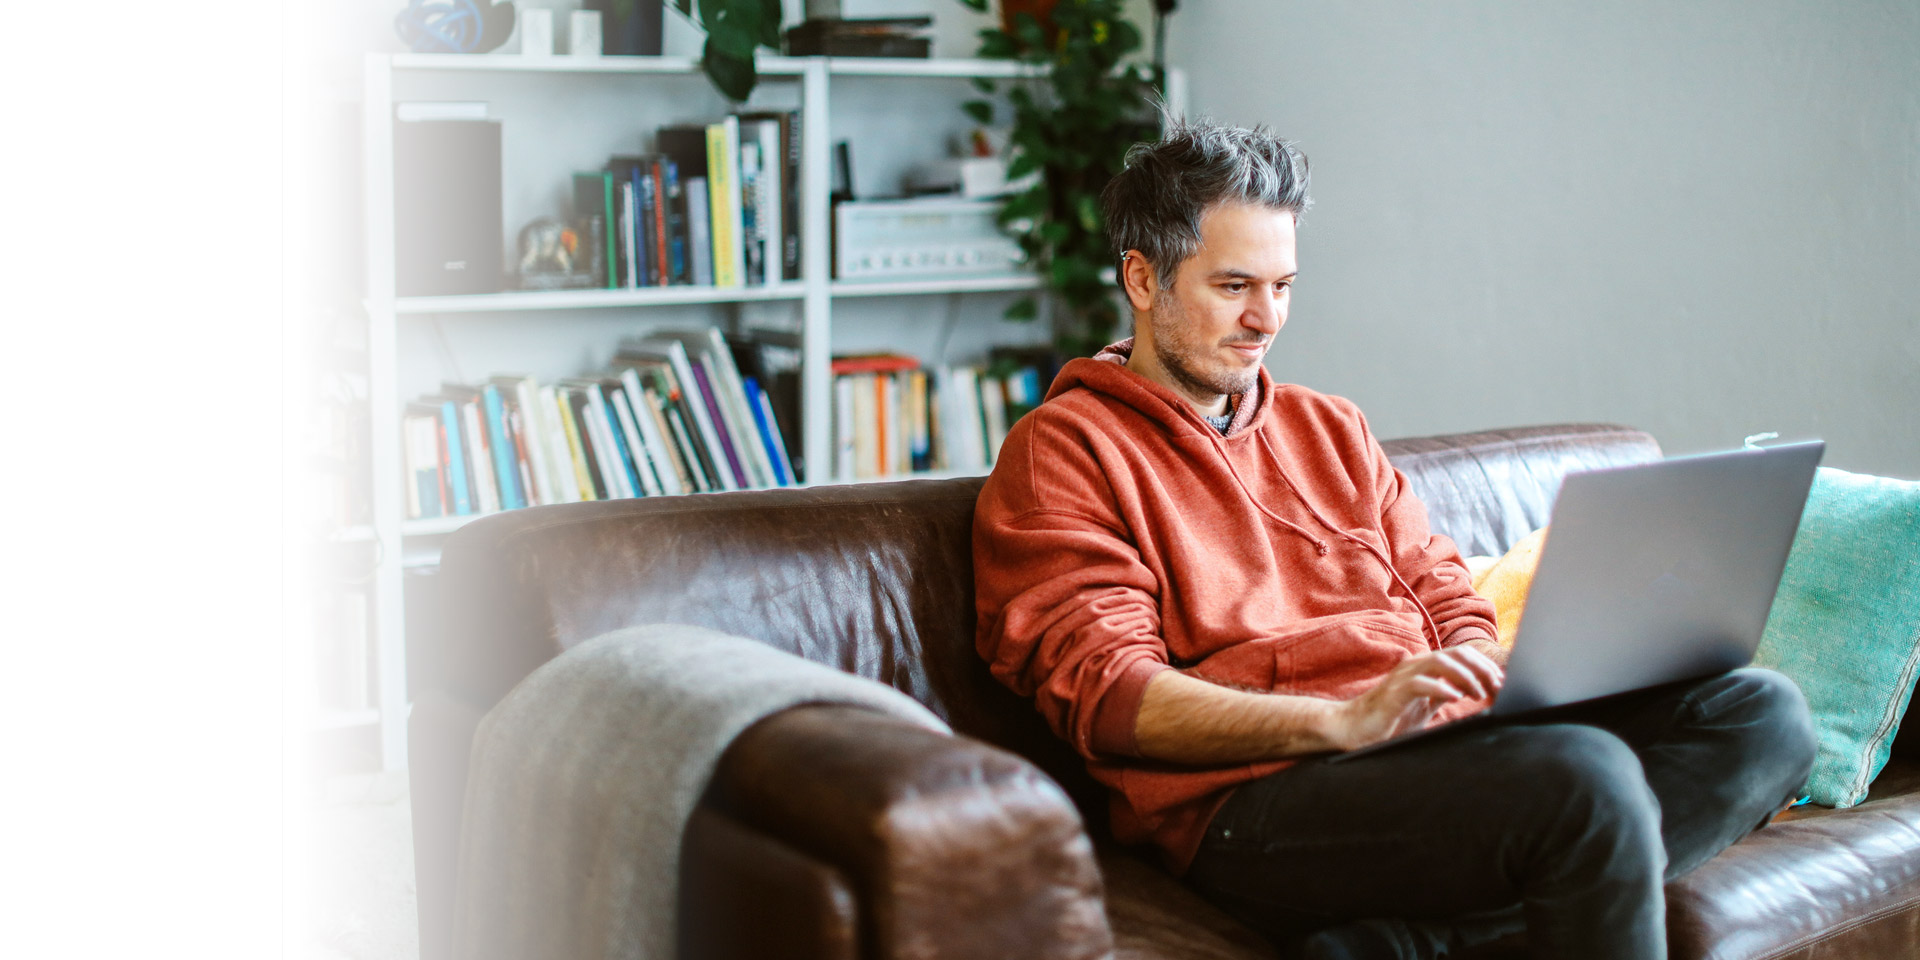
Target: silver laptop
x=1653, y=573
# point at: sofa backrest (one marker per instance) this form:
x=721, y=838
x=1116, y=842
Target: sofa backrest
x=875, y=579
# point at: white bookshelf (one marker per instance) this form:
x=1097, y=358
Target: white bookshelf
x=888, y=108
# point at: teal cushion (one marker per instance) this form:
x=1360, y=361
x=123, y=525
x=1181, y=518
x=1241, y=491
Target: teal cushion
x=1845, y=624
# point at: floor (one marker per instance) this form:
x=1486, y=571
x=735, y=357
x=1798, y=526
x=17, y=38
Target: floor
x=361, y=898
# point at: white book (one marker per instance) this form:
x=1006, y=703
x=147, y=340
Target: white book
x=630, y=431
x=675, y=353
x=606, y=452
x=753, y=248
x=771, y=160
x=479, y=459
x=646, y=419
x=420, y=456
x=699, y=231
x=566, y=483
x=630, y=277
x=899, y=460
x=993, y=409
x=526, y=394
x=843, y=443
x=969, y=441
x=866, y=428
x=739, y=414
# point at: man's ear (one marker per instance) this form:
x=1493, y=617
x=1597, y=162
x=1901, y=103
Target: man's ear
x=1137, y=278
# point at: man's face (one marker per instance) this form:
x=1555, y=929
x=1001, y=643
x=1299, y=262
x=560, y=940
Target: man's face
x=1208, y=331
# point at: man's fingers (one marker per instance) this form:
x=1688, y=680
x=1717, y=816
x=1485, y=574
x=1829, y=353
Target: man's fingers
x=1435, y=689
x=1485, y=666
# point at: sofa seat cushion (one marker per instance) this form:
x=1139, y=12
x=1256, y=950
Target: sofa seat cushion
x=1816, y=883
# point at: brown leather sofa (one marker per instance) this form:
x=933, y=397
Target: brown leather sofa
x=833, y=833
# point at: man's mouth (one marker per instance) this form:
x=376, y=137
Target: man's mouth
x=1251, y=349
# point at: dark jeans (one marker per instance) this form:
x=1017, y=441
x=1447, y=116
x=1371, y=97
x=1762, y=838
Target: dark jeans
x=1569, y=822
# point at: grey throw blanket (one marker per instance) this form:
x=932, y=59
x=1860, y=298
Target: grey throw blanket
x=584, y=776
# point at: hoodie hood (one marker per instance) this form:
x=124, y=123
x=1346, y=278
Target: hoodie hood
x=1107, y=373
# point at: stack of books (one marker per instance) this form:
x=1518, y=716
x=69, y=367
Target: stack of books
x=894, y=417
x=675, y=413
x=877, y=37
x=715, y=205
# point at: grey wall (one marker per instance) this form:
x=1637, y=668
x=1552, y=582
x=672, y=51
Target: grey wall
x=1702, y=219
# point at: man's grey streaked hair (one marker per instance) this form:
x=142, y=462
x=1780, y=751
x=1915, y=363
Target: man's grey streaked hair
x=1155, y=204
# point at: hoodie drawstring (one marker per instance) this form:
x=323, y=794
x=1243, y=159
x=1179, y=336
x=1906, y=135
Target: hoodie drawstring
x=1320, y=545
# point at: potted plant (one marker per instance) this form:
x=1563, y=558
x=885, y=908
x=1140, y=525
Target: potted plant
x=1073, y=124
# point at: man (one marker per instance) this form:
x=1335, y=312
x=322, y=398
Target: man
x=1207, y=581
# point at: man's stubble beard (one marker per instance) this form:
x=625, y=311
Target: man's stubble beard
x=1181, y=357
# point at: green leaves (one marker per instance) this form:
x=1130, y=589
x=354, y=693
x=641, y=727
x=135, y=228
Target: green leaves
x=735, y=28
x=980, y=110
x=1073, y=125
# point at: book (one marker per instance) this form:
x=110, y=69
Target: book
x=420, y=431
x=866, y=426
x=753, y=245
x=628, y=261
x=664, y=401
x=651, y=427
x=676, y=224
x=845, y=447
x=705, y=428
x=770, y=432
x=560, y=458
x=768, y=193
x=583, y=471
x=873, y=363
x=574, y=409
x=657, y=201
x=787, y=189
x=732, y=454
x=627, y=434
x=473, y=435
x=699, y=233
x=453, y=458
x=594, y=195
x=662, y=384
x=532, y=429
x=919, y=427
x=713, y=348
x=993, y=410
x=506, y=467
x=616, y=472
x=723, y=194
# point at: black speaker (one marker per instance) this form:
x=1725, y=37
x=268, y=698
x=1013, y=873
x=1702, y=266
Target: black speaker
x=448, y=237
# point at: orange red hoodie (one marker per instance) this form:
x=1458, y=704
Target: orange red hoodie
x=1121, y=535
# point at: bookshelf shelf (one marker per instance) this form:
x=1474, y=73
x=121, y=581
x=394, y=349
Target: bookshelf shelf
x=328, y=720
x=905, y=288
x=565, y=114
x=768, y=65
x=535, y=300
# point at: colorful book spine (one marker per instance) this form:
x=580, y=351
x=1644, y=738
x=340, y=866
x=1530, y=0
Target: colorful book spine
x=505, y=459
x=769, y=436
x=723, y=190
x=456, y=459
x=714, y=415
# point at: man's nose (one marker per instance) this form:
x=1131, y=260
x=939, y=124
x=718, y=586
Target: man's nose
x=1266, y=312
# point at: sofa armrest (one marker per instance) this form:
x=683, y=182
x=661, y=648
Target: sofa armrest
x=747, y=896
x=955, y=849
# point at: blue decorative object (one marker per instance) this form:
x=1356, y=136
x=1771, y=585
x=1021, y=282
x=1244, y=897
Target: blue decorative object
x=454, y=26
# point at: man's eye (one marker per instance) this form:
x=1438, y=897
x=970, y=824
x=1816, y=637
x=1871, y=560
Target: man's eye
x=1235, y=287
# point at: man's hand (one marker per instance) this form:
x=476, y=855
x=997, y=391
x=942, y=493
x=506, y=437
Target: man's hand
x=1413, y=691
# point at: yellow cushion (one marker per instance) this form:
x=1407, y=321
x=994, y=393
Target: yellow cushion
x=1505, y=581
